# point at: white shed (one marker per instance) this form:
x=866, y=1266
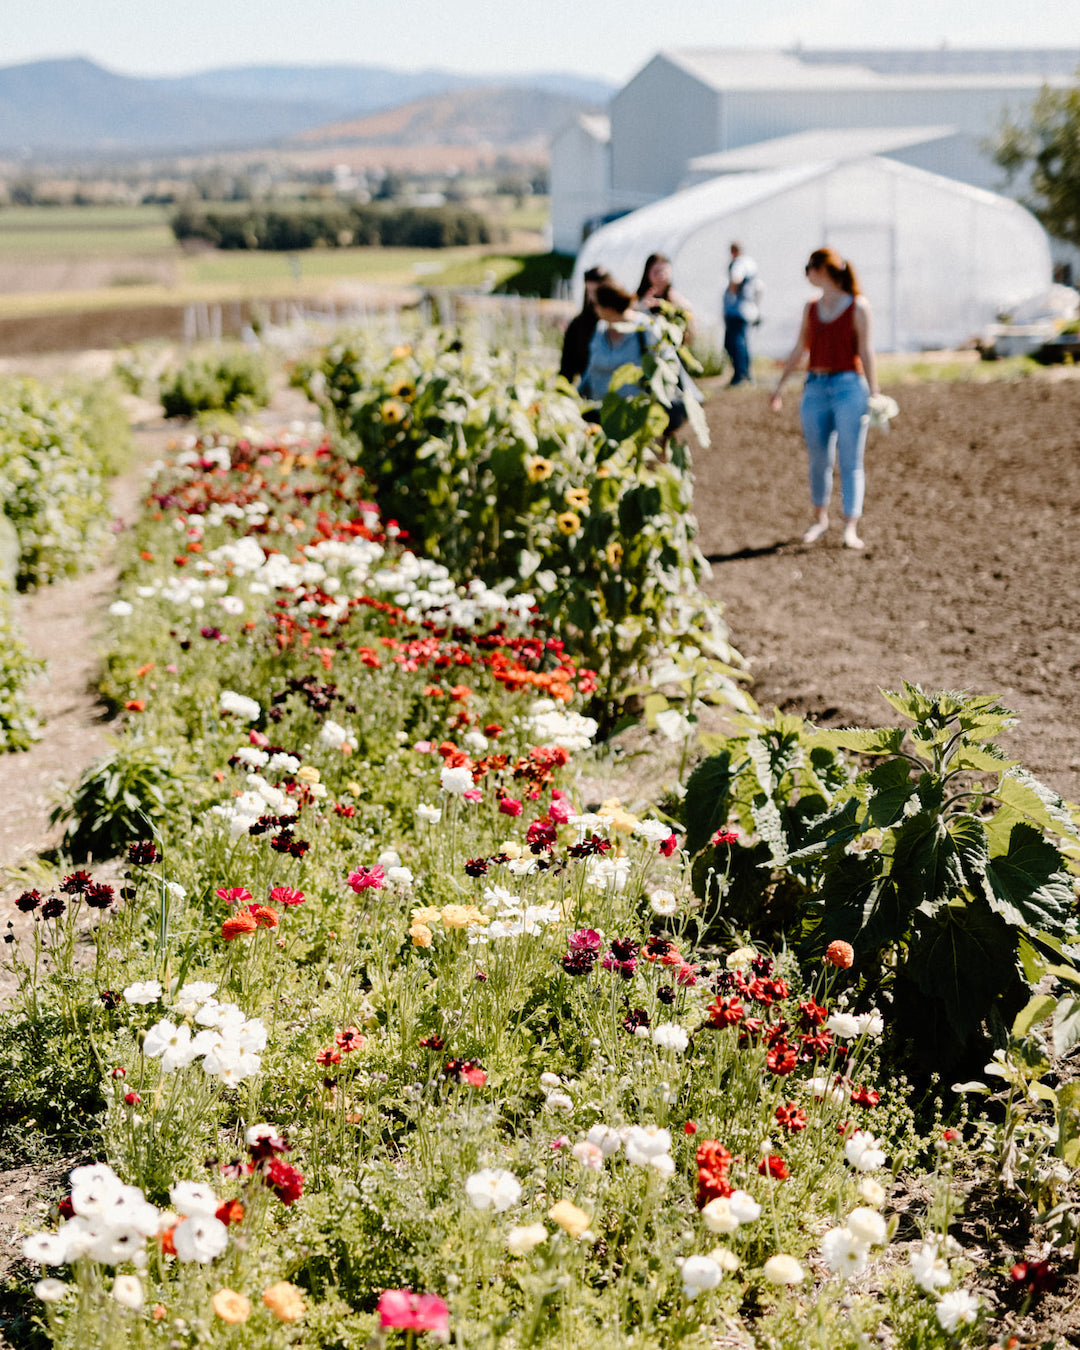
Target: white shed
x=938, y=259
x=580, y=175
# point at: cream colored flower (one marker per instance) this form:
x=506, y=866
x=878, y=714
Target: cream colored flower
x=521, y=1241
x=231, y=1306
x=569, y=1217
x=783, y=1269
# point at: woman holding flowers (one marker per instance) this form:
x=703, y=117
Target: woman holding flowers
x=620, y=340
x=835, y=342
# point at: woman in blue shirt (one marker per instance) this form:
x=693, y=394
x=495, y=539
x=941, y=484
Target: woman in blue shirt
x=620, y=339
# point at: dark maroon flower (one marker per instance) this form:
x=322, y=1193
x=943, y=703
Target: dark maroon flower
x=635, y=1017
x=666, y=994
x=579, y=962
x=142, y=854
x=541, y=835
x=78, y=883
x=588, y=847
x=476, y=867
x=109, y=999
x=28, y=901
x=465, y=1071
x=432, y=1042
x=211, y=634
x=52, y=908
x=266, y=1144
x=100, y=895
x=1034, y=1277
x=621, y=957
x=286, y=843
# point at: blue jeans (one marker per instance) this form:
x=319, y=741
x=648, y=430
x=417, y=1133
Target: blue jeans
x=737, y=347
x=834, y=421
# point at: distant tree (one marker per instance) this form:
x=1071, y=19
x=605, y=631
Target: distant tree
x=1048, y=146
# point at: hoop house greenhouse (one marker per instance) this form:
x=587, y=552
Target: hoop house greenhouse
x=938, y=259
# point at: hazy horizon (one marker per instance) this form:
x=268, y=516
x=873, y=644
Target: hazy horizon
x=609, y=40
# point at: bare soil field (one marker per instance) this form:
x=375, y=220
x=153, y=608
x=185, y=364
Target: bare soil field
x=971, y=574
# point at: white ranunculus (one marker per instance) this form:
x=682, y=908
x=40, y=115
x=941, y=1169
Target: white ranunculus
x=783, y=1269
x=128, y=1291
x=718, y=1217
x=172, y=1043
x=843, y=1253
x=744, y=1207
x=957, y=1308
x=644, y=1142
x=51, y=1290
x=493, y=1188
x=121, y=609
x=609, y=1141
x=843, y=1025
x=239, y=704
x=671, y=1036
x=929, y=1270
x=653, y=831
x=863, y=1153
x=432, y=814
x=143, y=992
x=663, y=903
x=200, y=1238
x=193, y=1197
x=521, y=1241
x=700, y=1273
x=455, y=780
x=867, y=1225
x=45, y=1249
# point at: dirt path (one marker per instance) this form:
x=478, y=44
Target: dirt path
x=970, y=578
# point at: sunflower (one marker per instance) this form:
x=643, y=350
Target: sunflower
x=569, y=522
x=578, y=498
x=393, y=412
x=537, y=468
x=403, y=388
x=614, y=553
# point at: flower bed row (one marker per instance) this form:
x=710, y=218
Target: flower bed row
x=387, y=1027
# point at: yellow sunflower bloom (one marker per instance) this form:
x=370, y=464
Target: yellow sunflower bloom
x=614, y=553
x=537, y=468
x=577, y=498
x=569, y=522
x=393, y=411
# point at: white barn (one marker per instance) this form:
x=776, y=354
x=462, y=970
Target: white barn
x=938, y=259
x=580, y=174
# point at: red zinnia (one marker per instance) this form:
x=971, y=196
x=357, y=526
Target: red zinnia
x=772, y=1166
x=285, y=1181
x=791, y=1118
x=781, y=1059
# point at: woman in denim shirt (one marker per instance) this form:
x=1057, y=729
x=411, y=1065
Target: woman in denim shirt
x=611, y=346
x=835, y=339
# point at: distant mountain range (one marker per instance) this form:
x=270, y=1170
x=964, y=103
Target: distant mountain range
x=76, y=106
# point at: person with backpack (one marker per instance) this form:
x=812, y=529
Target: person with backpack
x=740, y=312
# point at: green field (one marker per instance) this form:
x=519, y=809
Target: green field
x=39, y=230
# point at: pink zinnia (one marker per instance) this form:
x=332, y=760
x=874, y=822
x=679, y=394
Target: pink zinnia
x=234, y=895
x=286, y=895
x=403, y=1309
x=258, y=738
x=472, y=795
x=510, y=806
x=559, y=810
x=367, y=878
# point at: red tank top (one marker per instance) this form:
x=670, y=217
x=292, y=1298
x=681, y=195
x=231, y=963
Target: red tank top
x=834, y=346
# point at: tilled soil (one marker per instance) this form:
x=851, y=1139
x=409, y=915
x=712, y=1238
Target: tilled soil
x=970, y=576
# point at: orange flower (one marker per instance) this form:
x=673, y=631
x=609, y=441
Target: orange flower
x=238, y=925
x=135, y=705
x=285, y=1301
x=229, y=1212
x=264, y=916
x=840, y=954
x=231, y=1306
x=144, y=669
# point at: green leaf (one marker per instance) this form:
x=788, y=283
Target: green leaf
x=1036, y=1010
x=708, y=799
x=884, y=741
x=1039, y=803
x=925, y=861
x=1027, y=885
x=770, y=826
x=1066, y=1024
x=891, y=789
x=654, y=703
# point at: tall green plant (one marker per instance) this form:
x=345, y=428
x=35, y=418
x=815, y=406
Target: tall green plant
x=942, y=863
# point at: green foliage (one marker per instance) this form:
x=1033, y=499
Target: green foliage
x=54, y=454
x=229, y=380
x=18, y=725
x=1048, y=145
x=119, y=799
x=489, y=467
x=934, y=862
x=335, y=225
x=49, y=1093
x=103, y=423
x=537, y=274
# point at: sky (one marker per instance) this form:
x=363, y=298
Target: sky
x=607, y=38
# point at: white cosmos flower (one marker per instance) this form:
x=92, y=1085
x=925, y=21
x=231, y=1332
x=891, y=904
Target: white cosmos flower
x=200, y=1238
x=143, y=992
x=645, y=1142
x=652, y=830
x=718, y=1217
x=700, y=1273
x=607, y=1140
x=128, y=1291
x=493, y=1188
x=432, y=814
x=172, y=1043
x=957, y=1308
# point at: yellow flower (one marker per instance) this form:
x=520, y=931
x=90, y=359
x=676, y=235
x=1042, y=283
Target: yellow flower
x=740, y=958
x=231, y=1306
x=401, y=351
x=577, y=498
x=461, y=916
x=569, y=1217
x=354, y=787
x=604, y=470
x=394, y=411
x=403, y=388
x=285, y=1301
x=569, y=522
x=420, y=934
x=623, y=821
x=537, y=468
x=426, y=914
x=308, y=774
x=614, y=553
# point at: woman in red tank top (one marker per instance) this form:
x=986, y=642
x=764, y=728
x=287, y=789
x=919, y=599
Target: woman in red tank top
x=835, y=342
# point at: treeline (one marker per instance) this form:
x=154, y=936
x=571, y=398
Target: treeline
x=334, y=225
